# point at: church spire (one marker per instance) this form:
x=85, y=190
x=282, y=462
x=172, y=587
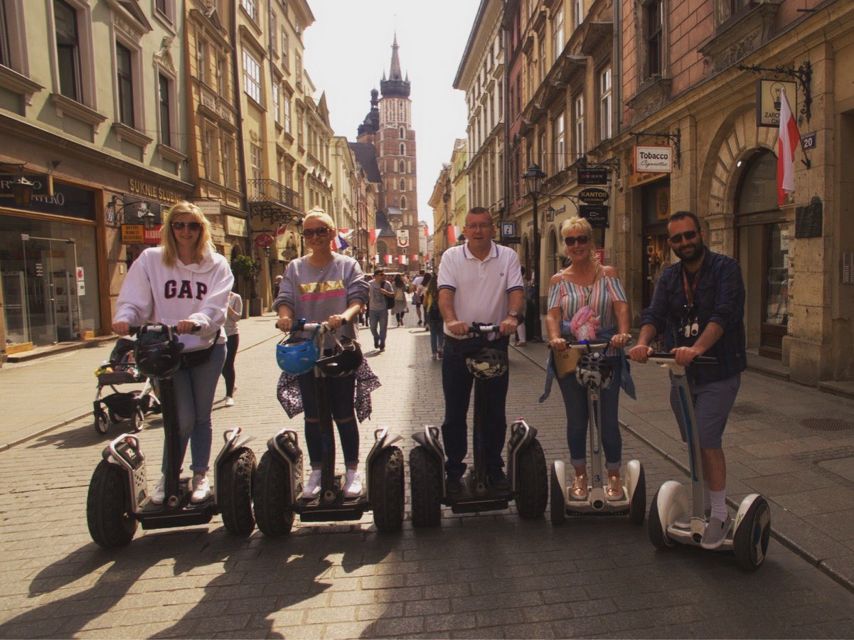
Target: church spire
x=395, y=85
x=394, y=72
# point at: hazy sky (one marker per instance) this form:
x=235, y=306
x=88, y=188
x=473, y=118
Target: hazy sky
x=348, y=48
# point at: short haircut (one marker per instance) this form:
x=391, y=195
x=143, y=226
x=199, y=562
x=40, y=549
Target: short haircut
x=379, y=272
x=479, y=211
x=682, y=215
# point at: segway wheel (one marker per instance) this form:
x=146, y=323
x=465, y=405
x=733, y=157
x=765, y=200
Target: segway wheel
x=235, y=493
x=637, y=508
x=387, y=489
x=751, y=539
x=101, y=423
x=657, y=536
x=532, y=486
x=108, y=514
x=270, y=494
x=426, y=487
x=558, y=500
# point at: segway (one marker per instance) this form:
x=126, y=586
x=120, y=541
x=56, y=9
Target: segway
x=678, y=514
x=526, y=463
x=118, y=492
x=279, y=481
x=593, y=373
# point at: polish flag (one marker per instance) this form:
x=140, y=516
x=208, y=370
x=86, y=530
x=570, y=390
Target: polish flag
x=388, y=258
x=372, y=236
x=788, y=139
x=402, y=259
x=413, y=257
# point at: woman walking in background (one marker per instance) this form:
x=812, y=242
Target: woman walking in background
x=432, y=316
x=232, y=314
x=400, y=306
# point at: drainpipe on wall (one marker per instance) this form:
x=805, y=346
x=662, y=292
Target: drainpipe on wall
x=506, y=27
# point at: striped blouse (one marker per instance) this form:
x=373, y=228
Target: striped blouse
x=601, y=296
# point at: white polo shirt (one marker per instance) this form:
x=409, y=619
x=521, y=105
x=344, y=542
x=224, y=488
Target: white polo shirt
x=480, y=286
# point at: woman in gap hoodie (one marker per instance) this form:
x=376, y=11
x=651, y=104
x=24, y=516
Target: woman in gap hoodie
x=184, y=282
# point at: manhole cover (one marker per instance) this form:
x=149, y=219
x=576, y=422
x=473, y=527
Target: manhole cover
x=827, y=424
x=746, y=409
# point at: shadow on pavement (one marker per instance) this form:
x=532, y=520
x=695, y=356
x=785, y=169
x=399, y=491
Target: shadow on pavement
x=84, y=435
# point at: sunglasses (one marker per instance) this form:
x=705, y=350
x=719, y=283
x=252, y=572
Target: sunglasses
x=679, y=237
x=319, y=232
x=192, y=226
x=573, y=240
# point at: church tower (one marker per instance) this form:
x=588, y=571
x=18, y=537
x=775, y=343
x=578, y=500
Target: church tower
x=394, y=140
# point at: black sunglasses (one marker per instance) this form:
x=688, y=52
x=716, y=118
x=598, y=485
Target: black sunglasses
x=319, y=232
x=572, y=240
x=192, y=226
x=686, y=235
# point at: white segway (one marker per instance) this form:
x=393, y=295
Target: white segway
x=593, y=373
x=677, y=513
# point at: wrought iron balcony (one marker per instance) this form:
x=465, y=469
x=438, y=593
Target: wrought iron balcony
x=274, y=201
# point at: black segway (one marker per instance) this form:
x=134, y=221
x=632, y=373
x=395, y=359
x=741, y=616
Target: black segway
x=678, y=513
x=279, y=481
x=118, y=492
x=526, y=467
x=593, y=373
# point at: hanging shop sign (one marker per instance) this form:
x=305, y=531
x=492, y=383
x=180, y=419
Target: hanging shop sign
x=133, y=234
x=596, y=215
x=653, y=159
x=768, y=101
x=592, y=175
x=593, y=196
x=264, y=240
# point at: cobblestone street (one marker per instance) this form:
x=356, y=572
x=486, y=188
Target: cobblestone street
x=488, y=575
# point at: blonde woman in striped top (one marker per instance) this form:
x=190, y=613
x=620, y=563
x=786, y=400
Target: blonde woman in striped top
x=588, y=283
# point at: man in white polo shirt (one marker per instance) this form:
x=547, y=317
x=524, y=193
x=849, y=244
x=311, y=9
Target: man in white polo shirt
x=479, y=281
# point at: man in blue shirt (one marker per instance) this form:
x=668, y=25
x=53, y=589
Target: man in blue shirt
x=698, y=309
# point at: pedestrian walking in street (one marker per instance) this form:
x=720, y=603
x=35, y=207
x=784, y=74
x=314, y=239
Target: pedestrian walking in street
x=698, y=308
x=184, y=282
x=400, y=306
x=479, y=281
x=586, y=302
x=520, y=338
x=433, y=317
x=381, y=295
x=233, y=315
x=418, y=287
x=325, y=286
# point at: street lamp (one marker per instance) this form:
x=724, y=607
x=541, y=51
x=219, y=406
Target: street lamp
x=534, y=180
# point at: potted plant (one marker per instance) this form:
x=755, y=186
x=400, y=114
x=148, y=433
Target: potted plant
x=248, y=267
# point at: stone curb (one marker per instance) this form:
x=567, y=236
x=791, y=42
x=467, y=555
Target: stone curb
x=782, y=538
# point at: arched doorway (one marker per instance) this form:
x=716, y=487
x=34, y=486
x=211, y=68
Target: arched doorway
x=762, y=249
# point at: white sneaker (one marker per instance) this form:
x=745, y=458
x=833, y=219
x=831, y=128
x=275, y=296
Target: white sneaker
x=159, y=494
x=201, y=488
x=312, y=487
x=229, y=401
x=352, y=484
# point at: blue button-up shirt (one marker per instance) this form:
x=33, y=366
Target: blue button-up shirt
x=718, y=298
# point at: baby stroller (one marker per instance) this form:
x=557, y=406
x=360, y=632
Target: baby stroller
x=122, y=406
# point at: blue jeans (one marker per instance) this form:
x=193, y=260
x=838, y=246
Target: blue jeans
x=378, y=319
x=437, y=337
x=575, y=402
x=457, y=384
x=194, y=396
x=339, y=395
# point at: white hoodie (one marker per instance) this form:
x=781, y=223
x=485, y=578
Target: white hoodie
x=154, y=292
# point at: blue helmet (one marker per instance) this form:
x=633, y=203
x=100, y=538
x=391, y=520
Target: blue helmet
x=296, y=357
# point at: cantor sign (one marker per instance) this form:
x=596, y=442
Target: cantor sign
x=653, y=159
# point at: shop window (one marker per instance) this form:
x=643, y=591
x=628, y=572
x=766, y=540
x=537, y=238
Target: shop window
x=124, y=81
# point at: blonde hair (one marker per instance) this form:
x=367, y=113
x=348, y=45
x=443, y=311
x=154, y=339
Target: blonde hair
x=167, y=236
x=583, y=226
x=319, y=214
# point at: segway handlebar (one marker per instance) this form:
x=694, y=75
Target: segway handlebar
x=665, y=358
x=320, y=327
x=481, y=327
x=587, y=345
x=157, y=326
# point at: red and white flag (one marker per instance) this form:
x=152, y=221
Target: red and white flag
x=402, y=259
x=372, y=236
x=388, y=258
x=413, y=257
x=788, y=139
x=453, y=233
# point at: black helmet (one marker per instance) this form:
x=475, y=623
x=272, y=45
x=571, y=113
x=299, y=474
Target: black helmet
x=345, y=358
x=487, y=363
x=158, y=351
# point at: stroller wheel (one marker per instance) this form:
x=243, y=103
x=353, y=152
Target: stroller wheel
x=137, y=420
x=101, y=423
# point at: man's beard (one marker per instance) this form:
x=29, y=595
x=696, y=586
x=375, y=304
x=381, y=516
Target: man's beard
x=691, y=252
